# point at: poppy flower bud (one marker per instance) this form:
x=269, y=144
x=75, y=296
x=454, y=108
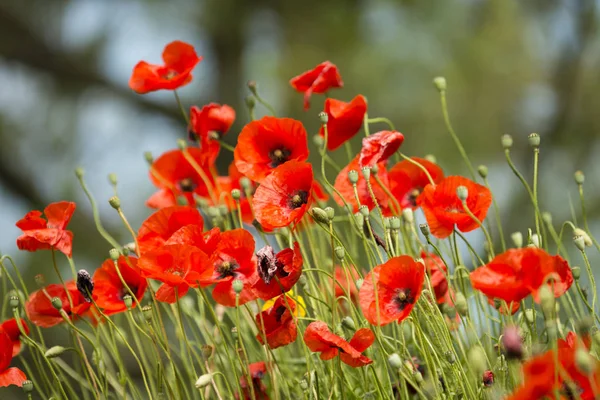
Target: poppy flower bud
x=534, y=140
x=488, y=378
x=579, y=242
x=358, y=283
x=128, y=301
x=587, y=240
x=79, y=172
x=460, y=302
x=340, y=253
x=530, y=315
x=54, y=351
x=253, y=86
x=114, y=254
x=507, y=141
x=203, y=381
x=112, y=179
x=536, y=240
x=330, y=212
x=319, y=141
x=517, y=238
x=576, y=271
x=440, y=83
x=238, y=286
x=115, y=202
x=483, y=171
x=374, y=169
x=40, y=280
x=319, y=215
x=147, y=311
x=353, y=176
x=364, y=211
x=512, y=343
x=348, y=323
x=148, y=157
x=408, y=215
x=366, y=173
x=85, y=285
x=477, y=359
x=323, y=117
x=213, y=212
x=584, y=361
x=13, y=301
x=181, y=144
x=27, y=386
x=450, y=357
x=418, y=377
x=236, y=194
x=56, y=303
x=250, y=102
x=424, y=229
x=579, y=177
x=395, y=361
x=431, y=158
x=547, y=301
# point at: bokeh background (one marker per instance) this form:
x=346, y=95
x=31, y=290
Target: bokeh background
x=512, y=67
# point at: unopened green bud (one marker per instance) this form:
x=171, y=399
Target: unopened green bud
x=450, y=357
x=576, y=271
x=536, y=240
x=148, y=157
x=579, y=177
x=483, y=171
x=547, y=301
x=418, y=378
x=330, y=212
x=56, y=303
x=181, y=144
x=353, y=176
x=579, y=242
x=358, y=283
x=507, y=141
x=319, y=141
x=236, y=194
x=238, y=286
x=374, y=169
x=462, y=192
x=348, y=323
x=340, y=253
x=323, y=117
x=530, y=315
x=115, y=202
x=517, y=238
x=27, y=386
x=366, y=173
x=147, y=311
x=252, y=86
x=460, y=302
x=395, y=361
x=128, y=301
x=54, y=351
x=245, y=183
x=424, y=229
x=79, y=172
x=203, y=381
x=319, y=215
x=584, y=361
x=477, y=359
x=364, y=210
x=250, y=102
x=114, y=254
x=408, y=215
x=112, y=179
x=213, y=212
x=587, y=240
x=13, y=301
x=534, y=140
x=431, y=158
x=440, y=83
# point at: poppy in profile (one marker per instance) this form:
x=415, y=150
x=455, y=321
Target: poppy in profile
x=257, y=371
x=211, y=121
x=379, y=147
x=399, y=283
x=277, y=273
x=320, y=339
x=344, y=120
x=177, y=266
x=11, y=328
x=437, y=271
x=179, y=60
x=267, y=143
x=284, y=196
x=177, y=179
x=444, y=210
x=232, y=258
x=407, y=180
x=109, y=290
x=517, y=273
x=160, y=226
x=278, y=322
x=344, y=186
x=49, y=233
x=8, y=376
x=318, y=80
x=42, y=313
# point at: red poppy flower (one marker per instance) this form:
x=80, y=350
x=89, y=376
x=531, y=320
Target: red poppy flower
x=343, y=185
x=346, y=282
x=42, y=313
x=45, y=234
x=516, y=273
x=407, y=180
x=176, y=177
x=320, y=79
x=278, y=321
x=179, y=60
x=284, y=196
x=257, y=372
x=8, y=376
x=571, y=340
x=109, y=290
x=344, y=120
x=444, y=210
x=265, y=144
x=319, y=338
x=436, y=269
x=277, y=273
x=379, y=147
x=160, y=226
x=11, y=328
x=399, y=282
x=177, y=266
x=232, y=258
x=212, y=118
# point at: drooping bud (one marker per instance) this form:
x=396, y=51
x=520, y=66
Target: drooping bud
x=348, y=323
x=431, y=158
x=115, y=202
x=517, y=238
x=424, y=229
x=54, y=351
x=245, y=183
x=534, y=140
x=579, y=242
x=340, y=253
x=56, y=303
x=483, y=171
x=547, y=301
x=203, y=381
x=440, y=83
x=587, y=240
x=238, y=286
x=353, y=176
x=85, y=285
x=462, y=192
x=319, y=215
x=460, y=302
x=579, y=177
x=507, y=141
x=512, y=343
x=395, y=361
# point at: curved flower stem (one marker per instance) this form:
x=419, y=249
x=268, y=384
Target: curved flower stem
x=180, y=105
x=421, y=167
x=381, y=119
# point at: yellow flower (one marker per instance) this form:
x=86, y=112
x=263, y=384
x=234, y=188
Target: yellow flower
x=300, y=310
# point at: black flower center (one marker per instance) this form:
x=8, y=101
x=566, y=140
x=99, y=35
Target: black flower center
x=412, y=196
x=279, y=313
x=298, y=199
x=226, y=269
x=278, y=156
x=187, y=185
x=403, y=298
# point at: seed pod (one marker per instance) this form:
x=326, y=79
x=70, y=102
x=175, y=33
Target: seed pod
x=507, y=141
x=27, y=386
x=56, y=303
x=85, y=285
x=115, y=202
x=54, y=351
x=534, y=140
x=353, y=176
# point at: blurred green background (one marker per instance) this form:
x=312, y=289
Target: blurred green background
x=512, y=67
